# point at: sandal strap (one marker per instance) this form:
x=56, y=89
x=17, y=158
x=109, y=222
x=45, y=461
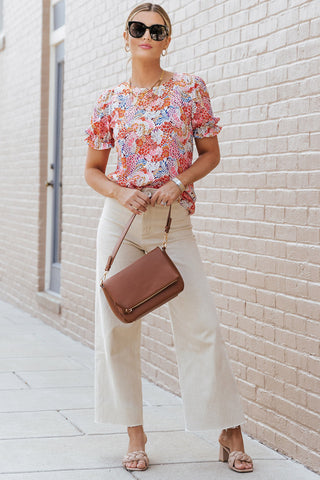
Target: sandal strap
x=138, y=455
x=238, y=455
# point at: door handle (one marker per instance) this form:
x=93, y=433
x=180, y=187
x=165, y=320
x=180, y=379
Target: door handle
x=49, y=184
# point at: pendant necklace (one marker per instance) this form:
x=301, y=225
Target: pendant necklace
x=139, y=96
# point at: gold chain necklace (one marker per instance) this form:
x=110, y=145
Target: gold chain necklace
x=149, y=89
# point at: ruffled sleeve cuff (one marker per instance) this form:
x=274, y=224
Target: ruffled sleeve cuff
x=100, y=133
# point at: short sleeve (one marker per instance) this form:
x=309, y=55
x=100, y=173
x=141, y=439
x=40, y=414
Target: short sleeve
x=204, y=123
x=100, y=134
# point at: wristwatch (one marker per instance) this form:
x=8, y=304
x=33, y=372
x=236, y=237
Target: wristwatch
x=179, y=183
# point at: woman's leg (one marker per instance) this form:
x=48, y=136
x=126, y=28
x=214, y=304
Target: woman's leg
x=118, y=390
x=208, y=387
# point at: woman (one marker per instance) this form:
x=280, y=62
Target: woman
x=152, y=120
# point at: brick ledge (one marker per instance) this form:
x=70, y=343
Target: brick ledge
x=49, y=301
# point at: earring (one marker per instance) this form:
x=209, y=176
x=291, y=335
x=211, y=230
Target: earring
x=127, y=48
x=165, y=52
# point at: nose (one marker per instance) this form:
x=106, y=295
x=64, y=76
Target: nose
x=147, y=34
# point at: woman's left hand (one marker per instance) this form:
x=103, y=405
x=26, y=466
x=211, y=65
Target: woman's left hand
x=166, y=195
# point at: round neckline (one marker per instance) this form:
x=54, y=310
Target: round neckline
x=147, y=88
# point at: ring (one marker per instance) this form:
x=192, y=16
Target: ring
x=163, y=202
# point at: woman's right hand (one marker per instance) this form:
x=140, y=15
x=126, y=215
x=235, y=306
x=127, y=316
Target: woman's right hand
x=133, y=199
x=95, y=168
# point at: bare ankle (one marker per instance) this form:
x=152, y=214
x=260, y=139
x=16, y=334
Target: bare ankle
x=135, y=431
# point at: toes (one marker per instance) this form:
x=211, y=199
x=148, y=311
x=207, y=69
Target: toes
x=239, y=464
x=136, y=464
x=242, y=465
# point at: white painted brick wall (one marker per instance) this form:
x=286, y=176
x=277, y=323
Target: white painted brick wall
x=257, y=218
x=19, y=150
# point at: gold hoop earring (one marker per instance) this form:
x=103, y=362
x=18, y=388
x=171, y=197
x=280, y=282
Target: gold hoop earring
x=165, y=52
x=127, y=48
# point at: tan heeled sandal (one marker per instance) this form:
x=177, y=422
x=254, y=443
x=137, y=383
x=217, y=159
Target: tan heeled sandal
x=226, y=456
x=137, y=456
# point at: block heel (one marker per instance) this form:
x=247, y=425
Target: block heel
x=223, y=454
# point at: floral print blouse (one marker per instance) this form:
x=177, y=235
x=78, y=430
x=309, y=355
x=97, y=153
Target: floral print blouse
x=153, y=130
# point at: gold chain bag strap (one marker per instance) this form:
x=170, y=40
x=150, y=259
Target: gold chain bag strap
x=143, y=286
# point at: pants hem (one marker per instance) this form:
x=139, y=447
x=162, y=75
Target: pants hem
x=115, y=421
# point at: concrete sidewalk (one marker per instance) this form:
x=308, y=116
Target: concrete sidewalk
x=47, y=430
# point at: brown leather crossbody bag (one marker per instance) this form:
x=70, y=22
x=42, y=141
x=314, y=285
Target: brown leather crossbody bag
x=143, y=286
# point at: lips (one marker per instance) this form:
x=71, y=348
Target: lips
x=145, y=46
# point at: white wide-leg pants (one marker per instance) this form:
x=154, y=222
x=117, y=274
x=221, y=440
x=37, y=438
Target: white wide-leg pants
x=208, y=388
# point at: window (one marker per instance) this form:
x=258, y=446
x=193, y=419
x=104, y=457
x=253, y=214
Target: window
x=58, y=15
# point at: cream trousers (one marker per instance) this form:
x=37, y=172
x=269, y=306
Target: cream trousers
x=208, y=388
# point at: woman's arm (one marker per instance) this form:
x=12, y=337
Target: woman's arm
x=209, y=158
x=94, y=174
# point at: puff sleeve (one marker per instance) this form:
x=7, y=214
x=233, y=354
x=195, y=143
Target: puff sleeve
x=100, y=133
x=204, y=123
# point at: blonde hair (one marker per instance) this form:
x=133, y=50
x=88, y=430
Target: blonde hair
x=151, y=7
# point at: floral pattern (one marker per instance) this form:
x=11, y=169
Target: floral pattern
x=153, y=130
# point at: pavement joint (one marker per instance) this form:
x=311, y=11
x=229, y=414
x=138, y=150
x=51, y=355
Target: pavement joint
x=48, y=429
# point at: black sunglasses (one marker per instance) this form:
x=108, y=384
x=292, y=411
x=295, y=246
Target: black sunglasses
x=157, y=32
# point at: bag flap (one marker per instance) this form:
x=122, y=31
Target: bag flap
x=137, y=282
